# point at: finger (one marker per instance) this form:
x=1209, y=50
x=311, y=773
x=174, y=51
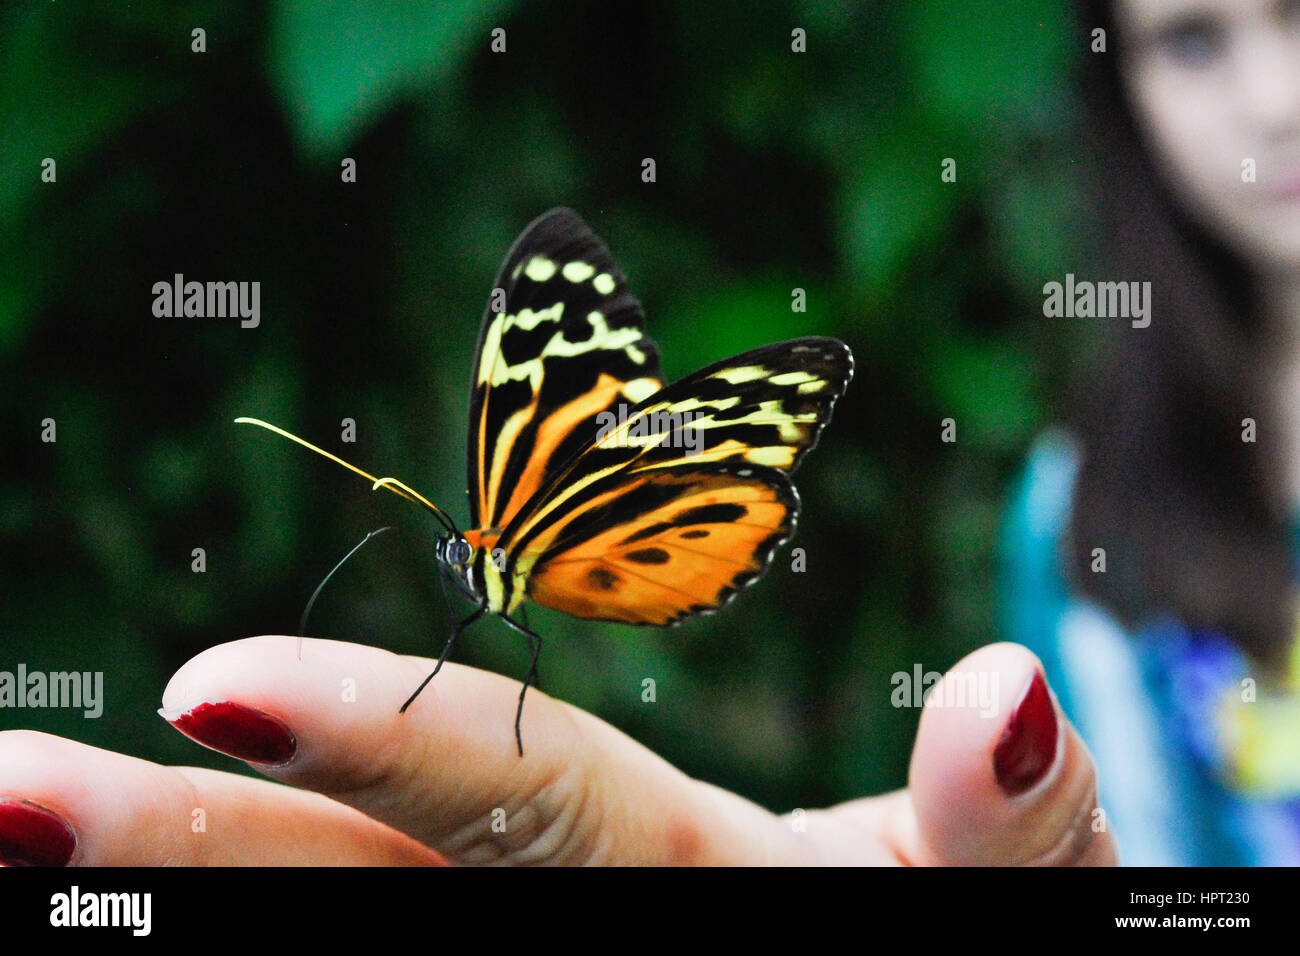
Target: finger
x=1000, y=778
x=64, y=802
x=447, y=772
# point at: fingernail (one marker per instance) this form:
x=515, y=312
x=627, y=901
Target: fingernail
x=1028, y=745
x=236, y=730
x=30, y=835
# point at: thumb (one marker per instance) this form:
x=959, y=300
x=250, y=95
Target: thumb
x=1000, y=777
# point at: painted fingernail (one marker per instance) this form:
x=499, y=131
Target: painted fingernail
x=236, y=730
x=30, y=835
x=1028, y=745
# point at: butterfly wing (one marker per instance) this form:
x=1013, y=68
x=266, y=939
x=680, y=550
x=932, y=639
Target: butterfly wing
x=684, y=500
x=667, y=544
x=568, y=344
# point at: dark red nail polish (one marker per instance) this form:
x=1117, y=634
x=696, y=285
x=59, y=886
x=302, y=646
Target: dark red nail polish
x=238, y=731
x=1028, y=745
x=30, y=835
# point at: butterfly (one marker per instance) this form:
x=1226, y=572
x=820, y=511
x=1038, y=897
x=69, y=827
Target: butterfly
x=597, y=489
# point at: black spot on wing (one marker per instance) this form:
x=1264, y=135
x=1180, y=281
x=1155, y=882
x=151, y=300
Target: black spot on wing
x=647, y=532
x=648, y=556
x=711, y=514
x=602, y=579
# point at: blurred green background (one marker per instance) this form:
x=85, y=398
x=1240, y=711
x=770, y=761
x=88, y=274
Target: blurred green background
x=775, y=170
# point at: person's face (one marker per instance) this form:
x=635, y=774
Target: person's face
x=1215, y=83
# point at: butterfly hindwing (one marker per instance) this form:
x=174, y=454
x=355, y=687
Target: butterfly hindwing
x=568, y=344
x=737, y=427
x=668, y=545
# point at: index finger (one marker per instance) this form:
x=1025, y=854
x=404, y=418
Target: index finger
x=447, y=772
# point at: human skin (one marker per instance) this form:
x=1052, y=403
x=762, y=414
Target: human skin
x=365, y=786
x=1215, y=88
x=1215, y=84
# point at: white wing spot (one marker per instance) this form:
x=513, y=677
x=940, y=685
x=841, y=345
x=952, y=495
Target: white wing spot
x=789, y=432
x=640, y=388
x=602, y=337
x=604, y=283
x=792, y=378
x=712, y=404
x=578, y=271
x=528, y=320
x=741, y=374
x=539, y=269
x=777, y=457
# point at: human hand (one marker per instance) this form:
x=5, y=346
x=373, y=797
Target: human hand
x=352, y=782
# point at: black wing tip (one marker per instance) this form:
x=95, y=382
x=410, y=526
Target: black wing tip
x=561, y=232
x=830, y=350
x=556, y=226
x=557, y=215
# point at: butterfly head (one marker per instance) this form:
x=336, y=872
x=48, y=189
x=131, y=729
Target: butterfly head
x=456, y=554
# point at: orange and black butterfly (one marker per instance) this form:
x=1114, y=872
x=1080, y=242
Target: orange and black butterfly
x=596, y=489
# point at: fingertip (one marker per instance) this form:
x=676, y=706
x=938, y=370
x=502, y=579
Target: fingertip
x=998, y=774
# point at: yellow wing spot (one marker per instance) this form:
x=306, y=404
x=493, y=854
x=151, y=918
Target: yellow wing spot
x=741, y=374
x=712, y=404
x=528, y=320
x=775, y=457
x=640, y=389
x=578, y=271
x=491, y=350
x=807, y=388
x=602, y=337
x=792, y=378
x=635, y=354
x=789, y=431
x=539, y=269
x=767, y=413
x=604, y=283
x=490, y=367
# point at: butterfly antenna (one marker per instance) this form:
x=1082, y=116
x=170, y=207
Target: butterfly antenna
x=392, y=484
x=302, y=622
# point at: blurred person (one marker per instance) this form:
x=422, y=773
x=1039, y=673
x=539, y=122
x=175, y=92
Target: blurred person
x=1151, y=552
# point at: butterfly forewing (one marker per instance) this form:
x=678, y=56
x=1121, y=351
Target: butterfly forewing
x=568, y=344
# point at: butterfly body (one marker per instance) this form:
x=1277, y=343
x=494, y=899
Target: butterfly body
x=594, y=487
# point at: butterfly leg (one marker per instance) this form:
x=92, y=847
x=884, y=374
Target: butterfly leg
x=535, y=643
x=455, y=633
x=444, y=577
x=523, y=619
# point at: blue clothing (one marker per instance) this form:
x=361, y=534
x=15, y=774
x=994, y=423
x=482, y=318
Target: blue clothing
x=1149, y=702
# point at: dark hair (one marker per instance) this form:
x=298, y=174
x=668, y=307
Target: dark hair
x=1193, y=519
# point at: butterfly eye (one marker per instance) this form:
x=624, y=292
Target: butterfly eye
x=459, y=552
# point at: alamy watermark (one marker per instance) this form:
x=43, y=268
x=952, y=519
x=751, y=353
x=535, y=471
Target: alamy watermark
x=1084, y=299
x=973, y=689
x=83, y=690
x=208, y=300
x=664, y=429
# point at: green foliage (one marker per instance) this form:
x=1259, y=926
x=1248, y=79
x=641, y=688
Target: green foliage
x=337, y=64
x=777, y=170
